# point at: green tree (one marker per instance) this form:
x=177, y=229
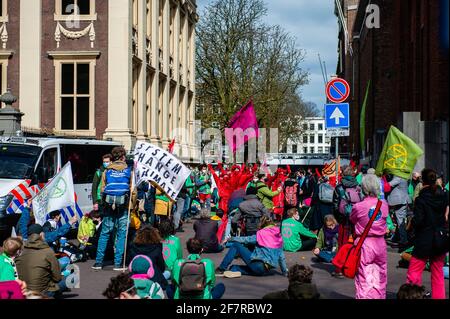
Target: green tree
x=239, y=57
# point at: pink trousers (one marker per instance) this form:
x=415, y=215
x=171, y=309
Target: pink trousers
x=416, y=267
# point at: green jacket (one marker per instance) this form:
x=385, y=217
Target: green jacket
x=321, y=241
x=209, y=271
x=291, y=231
x=265, y=195
x=96, y=184
x=172, y=251
x=7, y=268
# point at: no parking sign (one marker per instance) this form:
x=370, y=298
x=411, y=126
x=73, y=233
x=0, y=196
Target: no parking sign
x=338, y=90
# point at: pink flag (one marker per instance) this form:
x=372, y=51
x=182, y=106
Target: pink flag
x=246, y=126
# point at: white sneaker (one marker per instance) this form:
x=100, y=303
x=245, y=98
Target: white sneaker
x=119, y=268
x=232, y=274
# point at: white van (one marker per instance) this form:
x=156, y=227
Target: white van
x=39, y=159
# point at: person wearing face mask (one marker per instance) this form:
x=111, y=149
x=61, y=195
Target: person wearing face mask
x=96, y=191
x=296, y=237
x=87, y=231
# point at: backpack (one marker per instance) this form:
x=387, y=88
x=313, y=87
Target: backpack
x=326, y=192
x=192, y=278
x=291, y=195
x=348, y=197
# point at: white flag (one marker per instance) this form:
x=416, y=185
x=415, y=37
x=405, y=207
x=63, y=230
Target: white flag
x=57, y=194
x=161, y=167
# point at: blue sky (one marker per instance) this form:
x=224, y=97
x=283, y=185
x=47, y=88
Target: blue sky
x=315, y=27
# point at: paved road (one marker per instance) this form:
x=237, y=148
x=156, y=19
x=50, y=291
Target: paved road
x=94, y=282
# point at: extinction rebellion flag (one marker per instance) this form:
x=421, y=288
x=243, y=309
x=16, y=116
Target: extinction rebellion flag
x=399, y=155
x=161, y=167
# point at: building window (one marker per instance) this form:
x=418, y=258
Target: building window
x=311, y=139
x=320, y=136
x=327, y=150
x=3, y=10
x=75, y=96
x=84, y=10
x=320, y=128
x=320, y=150
x=305, y=127
x=305, y=139
x=311, y=127
x=311, y=150
x=305, y=150
x=294, y=149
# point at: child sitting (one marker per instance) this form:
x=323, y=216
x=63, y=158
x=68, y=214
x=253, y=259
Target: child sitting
x=300, y=285
x=87, y=231
x=11, y=249
x=327, y=239
x=142, y=273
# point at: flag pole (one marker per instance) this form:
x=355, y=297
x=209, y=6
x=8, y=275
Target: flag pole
x=128, y=220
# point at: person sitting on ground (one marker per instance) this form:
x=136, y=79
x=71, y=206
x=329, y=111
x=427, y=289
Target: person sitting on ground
x=11, y=249
x=327, y=242
x=171, y=244
x=148, y=242
x=88, y=232
x=38, y=266
x=409, y=291
x=201, y=286
x=52, y=230
x=300, y=285
x=121, y=287
x=250, y=211
x=264, y=194
x=267, y=255
x=206, y=231
x=293, y=230
x=143, y=273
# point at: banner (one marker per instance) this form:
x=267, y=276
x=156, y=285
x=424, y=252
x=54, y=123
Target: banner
x=57, y=194
x=161, y=167
x=399, y=155
x=243, y=125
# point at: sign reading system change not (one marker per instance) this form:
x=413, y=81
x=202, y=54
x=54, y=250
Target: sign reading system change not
x=154, y=164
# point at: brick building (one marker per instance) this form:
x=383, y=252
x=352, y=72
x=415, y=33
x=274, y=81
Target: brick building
x=117, y=69
x=408, y=70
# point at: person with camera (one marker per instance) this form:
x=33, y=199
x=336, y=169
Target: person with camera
x=115, y=188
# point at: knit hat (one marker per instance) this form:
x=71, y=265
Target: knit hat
x=142, y=265
x=35, y=229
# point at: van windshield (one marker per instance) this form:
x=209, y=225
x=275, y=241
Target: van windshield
x=18, y=161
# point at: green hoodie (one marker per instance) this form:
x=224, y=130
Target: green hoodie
x=172, y=251
x=7, y=268
x=291, y=231
x=209, y=272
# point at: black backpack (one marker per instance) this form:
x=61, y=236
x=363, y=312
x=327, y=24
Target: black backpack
x=192, y=278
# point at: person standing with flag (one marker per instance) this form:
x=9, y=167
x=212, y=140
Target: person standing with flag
x=115, y=188
x=398, y=159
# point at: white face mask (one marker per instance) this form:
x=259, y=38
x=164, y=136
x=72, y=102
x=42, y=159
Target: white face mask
x=297, y=217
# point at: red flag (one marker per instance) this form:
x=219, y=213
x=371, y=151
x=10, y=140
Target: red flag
x=171, y=146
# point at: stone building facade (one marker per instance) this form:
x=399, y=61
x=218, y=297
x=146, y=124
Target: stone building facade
x=106, y=69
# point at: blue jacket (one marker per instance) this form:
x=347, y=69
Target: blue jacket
x=272, y=256
x=52, y=235
x=22, y=225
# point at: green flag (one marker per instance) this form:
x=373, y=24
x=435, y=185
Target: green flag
x=362, y=120
x=399, y=155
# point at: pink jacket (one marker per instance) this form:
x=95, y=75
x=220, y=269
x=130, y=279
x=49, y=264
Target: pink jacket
x=270, y=237
x=362, y=212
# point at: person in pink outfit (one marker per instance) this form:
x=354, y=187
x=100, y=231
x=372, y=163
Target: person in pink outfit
x=430, y=215
x=371, y=278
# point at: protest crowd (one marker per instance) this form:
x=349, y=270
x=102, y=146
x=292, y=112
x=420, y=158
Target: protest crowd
x=248, y=213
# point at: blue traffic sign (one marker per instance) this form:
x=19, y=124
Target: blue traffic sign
x=337, y=115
